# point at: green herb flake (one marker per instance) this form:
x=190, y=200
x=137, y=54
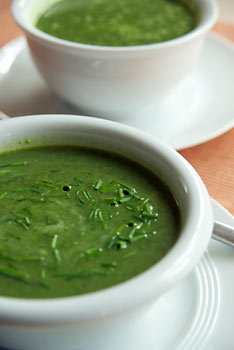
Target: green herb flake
x=54, y=242
x=5, y=172
x=2, y=195
x=19, y=275
x=99, y=272
x=57, y=255
x=92, y=252
x=149, y=215
x=111, y=265
x=98, y=185
x=17, y=164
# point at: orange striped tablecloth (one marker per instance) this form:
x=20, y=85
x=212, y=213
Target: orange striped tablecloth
x=213, y=160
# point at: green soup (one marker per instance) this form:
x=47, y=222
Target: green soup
x=76, y=220
x=119, y=22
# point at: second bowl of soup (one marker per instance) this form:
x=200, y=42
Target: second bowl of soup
x=115, y=59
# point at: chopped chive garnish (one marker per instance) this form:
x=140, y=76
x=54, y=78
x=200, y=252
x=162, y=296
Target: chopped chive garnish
x=121, y=194
x=20, y=190
x=109, y=199
x=13, y=235
x=99, y=272
x=96, y=213
x=130, y=208
x=132, y=232
x=111, y=265
x=17, y=216
x=4, y=172
x=19, y=275
x=44, y=285
x=9, y=179
x=148, y=224
x=17, y=164
x=135, y=196
x=57, y=255
x=98, y=185
x=46, y=184
x=69, y=275
x=138, y=218
x=148, y=208
x=149, y=215
x=125, y=199
x=6, y=220
x=120, y=229
x=43, y=273
x=107, y=188
x=12, y=164
x=2, y=195
x=27, y=221
x=86, y=194
x=129, y=254
x=110, y=244
x=35, y=191
x=54, y=242
x=32, y=258
x=92, y=251
x=122, y=184
x=71, y=244
x=138, y=238
x=38, y=200
x=100, y=216
x=91, y=215
x=21, y=199
x=20, y=222
x=80, y=199
x=123, y=238
x=12, y=178
x=78, y=180
x=7, y=257
x=49, y=234
x=45, y=181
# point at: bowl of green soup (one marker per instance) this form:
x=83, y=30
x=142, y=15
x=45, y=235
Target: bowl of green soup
x=115, y=59
x=98, y=220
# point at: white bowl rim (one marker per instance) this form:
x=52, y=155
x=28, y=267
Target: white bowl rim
x=208, y=19
x=118, y=298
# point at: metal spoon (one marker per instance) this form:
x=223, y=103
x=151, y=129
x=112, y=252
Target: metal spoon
x=221, y=232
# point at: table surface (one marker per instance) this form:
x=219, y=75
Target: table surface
x=213, y=160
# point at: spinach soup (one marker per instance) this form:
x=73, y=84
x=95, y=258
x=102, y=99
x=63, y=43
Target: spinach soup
x=119, y=22
x=75, y=220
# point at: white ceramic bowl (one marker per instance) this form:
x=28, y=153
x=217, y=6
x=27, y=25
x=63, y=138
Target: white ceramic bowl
x=86, y=320
x=112, y=82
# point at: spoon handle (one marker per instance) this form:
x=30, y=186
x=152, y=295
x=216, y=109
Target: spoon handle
x=223, y=233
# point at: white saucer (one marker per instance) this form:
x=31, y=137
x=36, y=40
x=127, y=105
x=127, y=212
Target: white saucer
x=201, y=108
x=182, y=319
